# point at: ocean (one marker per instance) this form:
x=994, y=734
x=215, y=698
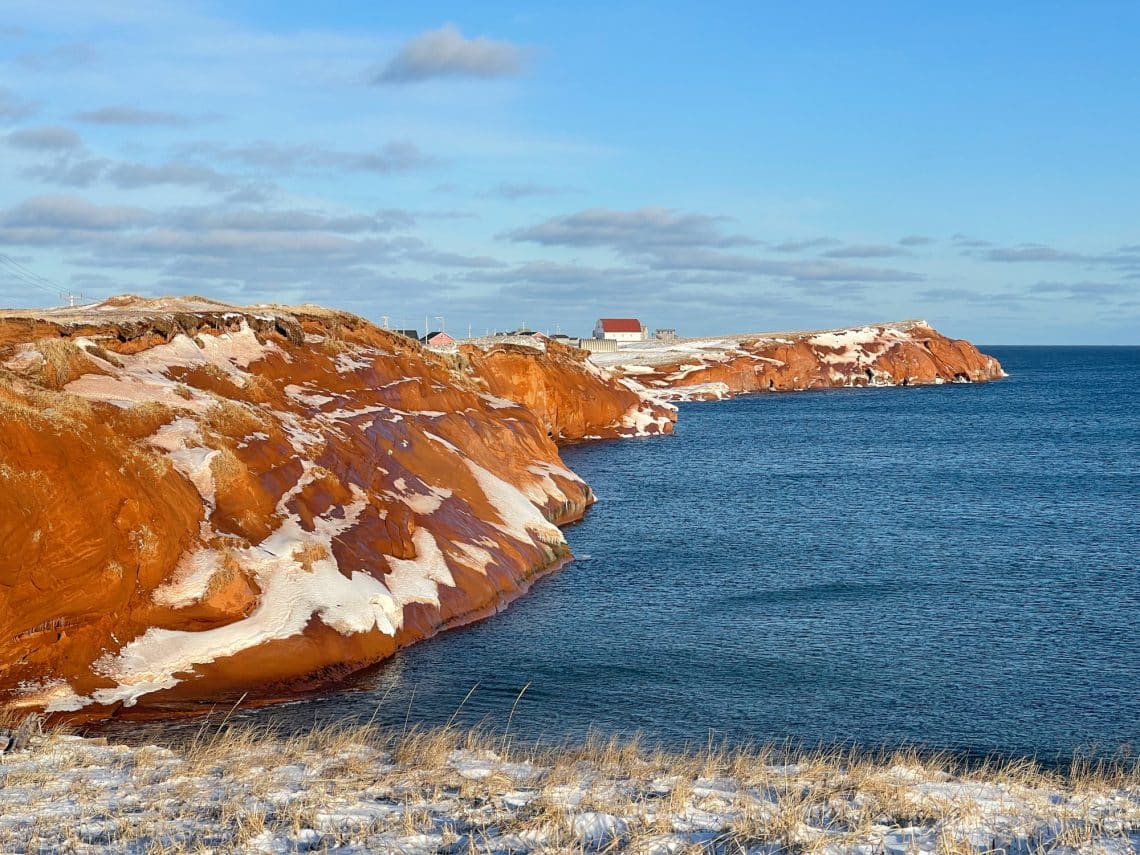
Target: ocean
x=953, y=567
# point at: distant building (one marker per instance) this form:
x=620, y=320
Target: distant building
x=619, y=329
x=665, y=334
x=598, y=345
x=437, y=339
x=412, y=334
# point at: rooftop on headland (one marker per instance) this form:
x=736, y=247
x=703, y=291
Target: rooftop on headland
x=654, y=351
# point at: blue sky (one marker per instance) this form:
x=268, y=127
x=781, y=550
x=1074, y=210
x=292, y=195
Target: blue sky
x=743, y=167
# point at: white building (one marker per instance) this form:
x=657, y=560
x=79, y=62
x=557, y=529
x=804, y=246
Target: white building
x=619, y=329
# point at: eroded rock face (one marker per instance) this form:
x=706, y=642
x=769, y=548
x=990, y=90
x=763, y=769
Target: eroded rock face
x=574, y=398
x=199, y=501
x=900, y=354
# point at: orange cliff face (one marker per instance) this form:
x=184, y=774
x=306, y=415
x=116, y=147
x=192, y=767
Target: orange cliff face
x=199, y=501
x=898, y=354
x=574, y=398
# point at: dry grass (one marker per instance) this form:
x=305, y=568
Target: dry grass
x=227, y=469
x=63, y=361
x=309, y=553
x=262, y=390
x=105, y=355
x=363, y=789
x=234, y=420
x=142, y=420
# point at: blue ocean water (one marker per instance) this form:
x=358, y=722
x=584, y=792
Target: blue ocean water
x=954, y=566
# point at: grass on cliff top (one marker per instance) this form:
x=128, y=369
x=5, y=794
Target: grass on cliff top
x=361, y=788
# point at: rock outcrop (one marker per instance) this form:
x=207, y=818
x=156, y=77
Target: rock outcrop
x=898, y=354
x=200, y=501
x=573, y=397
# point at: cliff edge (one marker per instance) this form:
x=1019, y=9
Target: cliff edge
x=200, y=501
x=904, y=353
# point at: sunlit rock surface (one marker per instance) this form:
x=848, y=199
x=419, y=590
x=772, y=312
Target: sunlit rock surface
x=199, y=501
x=895, y=354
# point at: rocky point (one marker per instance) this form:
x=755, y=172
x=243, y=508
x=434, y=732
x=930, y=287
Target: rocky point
x=201, y=502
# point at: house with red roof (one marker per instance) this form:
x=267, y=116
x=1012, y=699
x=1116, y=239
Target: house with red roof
x=437, y=339
x=619, y=329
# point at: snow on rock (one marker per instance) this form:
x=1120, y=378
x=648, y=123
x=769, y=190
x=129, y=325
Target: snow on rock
x=417, y=580
x=573, y=396
x=244, y=498
x=903, y=353
x=202, y=501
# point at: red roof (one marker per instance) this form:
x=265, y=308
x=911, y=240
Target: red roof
x=621, y=325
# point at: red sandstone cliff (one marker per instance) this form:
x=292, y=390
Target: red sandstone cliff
x=574, y=398
x=898, y=354
x=200, y=500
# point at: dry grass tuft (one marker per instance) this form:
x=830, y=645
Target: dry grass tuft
x=63, y=361
x=310, y=552
x=105, y=355
x=227, y=469
x=450, y=789
x=261, y=390
x=234, y=420
x=142, y=420
x=426, y=749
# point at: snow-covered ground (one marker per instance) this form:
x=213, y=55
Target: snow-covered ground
x=356, y=790
x=642, y=356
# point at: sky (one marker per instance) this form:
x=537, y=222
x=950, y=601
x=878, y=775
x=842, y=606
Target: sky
x=715, y=168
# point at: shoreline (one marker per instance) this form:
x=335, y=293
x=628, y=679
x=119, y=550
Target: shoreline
x=308, y=493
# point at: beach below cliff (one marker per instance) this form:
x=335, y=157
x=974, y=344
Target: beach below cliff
x=360, y=789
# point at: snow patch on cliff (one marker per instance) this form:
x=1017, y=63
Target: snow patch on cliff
x=518, y=516
x=309, y=399
x=182, y=442
x=417, y=580
x=428, y=502
x=697, y=392
x=143, y=377
x=293, y=590
x=190, y=580
x=857, y=348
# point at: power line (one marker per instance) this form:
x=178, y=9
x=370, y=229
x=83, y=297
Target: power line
x=28, y=277
x=18, y=271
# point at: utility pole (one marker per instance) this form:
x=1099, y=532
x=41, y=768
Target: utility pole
x=442, y=325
